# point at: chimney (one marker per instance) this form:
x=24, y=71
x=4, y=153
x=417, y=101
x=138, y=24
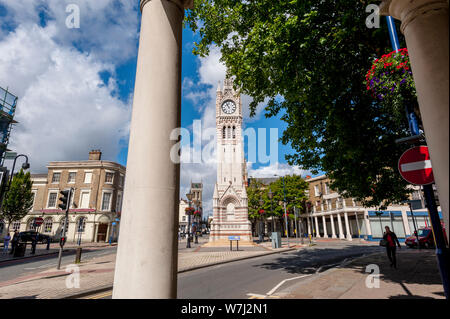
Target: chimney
x=95, y=155
x=308, y=176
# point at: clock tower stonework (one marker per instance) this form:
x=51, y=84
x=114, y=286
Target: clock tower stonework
x=230, y=206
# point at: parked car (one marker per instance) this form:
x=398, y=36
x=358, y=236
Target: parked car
x=426, y=238
x=27, y=236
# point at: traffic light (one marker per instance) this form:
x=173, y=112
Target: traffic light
x=62, y=241
x=65, y=199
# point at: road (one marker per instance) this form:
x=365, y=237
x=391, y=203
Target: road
x=262, y=276
x=18, y=268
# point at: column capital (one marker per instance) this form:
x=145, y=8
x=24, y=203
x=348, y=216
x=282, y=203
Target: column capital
x=182, y=4
x=406, y=11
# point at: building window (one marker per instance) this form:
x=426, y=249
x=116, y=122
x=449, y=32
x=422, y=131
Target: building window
x=109, y=178
x=72, y=176
x=34, y=198
x=52, y=200
x=81, y=224
x=106, y=202
x=316, y=190
x=87, y=177
x=119, y=202
x=16, y=226
x=327, y=188
x=48, y=224
x=223, y=132
x=234, y=131
x=30, y=224
x=84, y=199
x=184, y=218
x=122, y=180
x=56, y=177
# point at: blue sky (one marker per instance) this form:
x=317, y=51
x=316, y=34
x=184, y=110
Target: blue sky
x=86, y=75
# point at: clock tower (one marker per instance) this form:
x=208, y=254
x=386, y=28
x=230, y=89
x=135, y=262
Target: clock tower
x=230, y=207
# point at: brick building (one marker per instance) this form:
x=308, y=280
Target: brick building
x=95, y=205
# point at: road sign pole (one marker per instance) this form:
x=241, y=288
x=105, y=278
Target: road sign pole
x=441, y=249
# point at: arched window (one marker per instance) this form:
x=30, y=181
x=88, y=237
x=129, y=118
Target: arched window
x=229, y=132
x=30, y=224
x=223, y=132
x=48, y=225
x=234, y=131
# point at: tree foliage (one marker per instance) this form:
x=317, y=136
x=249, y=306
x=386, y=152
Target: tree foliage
x=18, y=200
x=309, y=58
x=293, y=190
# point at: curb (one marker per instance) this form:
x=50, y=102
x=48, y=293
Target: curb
x=31, y=257
x=110, y=287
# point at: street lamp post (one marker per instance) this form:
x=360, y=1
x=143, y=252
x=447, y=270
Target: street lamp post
x=270, y=194
x=25, y=165
x=188, y=244
x=285, y=214
x=261, y=236
x=196, y=219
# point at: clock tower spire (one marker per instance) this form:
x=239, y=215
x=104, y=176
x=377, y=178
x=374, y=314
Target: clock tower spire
x=230, y=210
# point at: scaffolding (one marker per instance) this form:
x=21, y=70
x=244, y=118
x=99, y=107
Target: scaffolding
x=8, y=103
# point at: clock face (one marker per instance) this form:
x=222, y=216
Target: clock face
x=228, y=107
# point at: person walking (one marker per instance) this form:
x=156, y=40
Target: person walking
x=391, y=241
x=14, y=241
x=6, y=241
x=33, y=244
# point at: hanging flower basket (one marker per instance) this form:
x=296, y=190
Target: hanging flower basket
x=391, y=76
x=197, y=213
x=261, y=211
x=189, y=210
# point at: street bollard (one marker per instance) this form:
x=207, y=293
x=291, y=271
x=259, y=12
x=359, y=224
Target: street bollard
x=78, y=255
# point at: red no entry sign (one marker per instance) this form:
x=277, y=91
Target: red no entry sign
x=415, y=166
x=38, y=221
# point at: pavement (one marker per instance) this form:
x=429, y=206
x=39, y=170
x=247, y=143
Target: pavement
x=417, y=275
x=371, y=277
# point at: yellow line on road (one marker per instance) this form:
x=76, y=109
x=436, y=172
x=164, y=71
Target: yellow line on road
x=99, y=296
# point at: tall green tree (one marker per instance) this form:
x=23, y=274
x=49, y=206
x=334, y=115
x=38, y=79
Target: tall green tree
x=18, y=200
x=309, y=58
x=294, y=188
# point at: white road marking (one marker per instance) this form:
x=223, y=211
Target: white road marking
x=281, y=283
x=415, y=166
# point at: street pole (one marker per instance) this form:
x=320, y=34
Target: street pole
x=296, y=226
x=414, y=223
x=285, y=213
x=441, y=249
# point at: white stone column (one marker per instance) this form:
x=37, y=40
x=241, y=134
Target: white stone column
x=341, y=232
x=309, y=226
x=347, y=227
x=146, y=265
x=368, y=227
x=324, y=221
x=333, y=232
x=425, y=26
x=317, y=227
x=406, y=222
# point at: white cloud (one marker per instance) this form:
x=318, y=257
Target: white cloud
x=108, y=28
x=280, y=169
x=64, y=108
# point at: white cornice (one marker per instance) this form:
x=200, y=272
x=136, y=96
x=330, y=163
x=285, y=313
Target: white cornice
x=182, y=4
